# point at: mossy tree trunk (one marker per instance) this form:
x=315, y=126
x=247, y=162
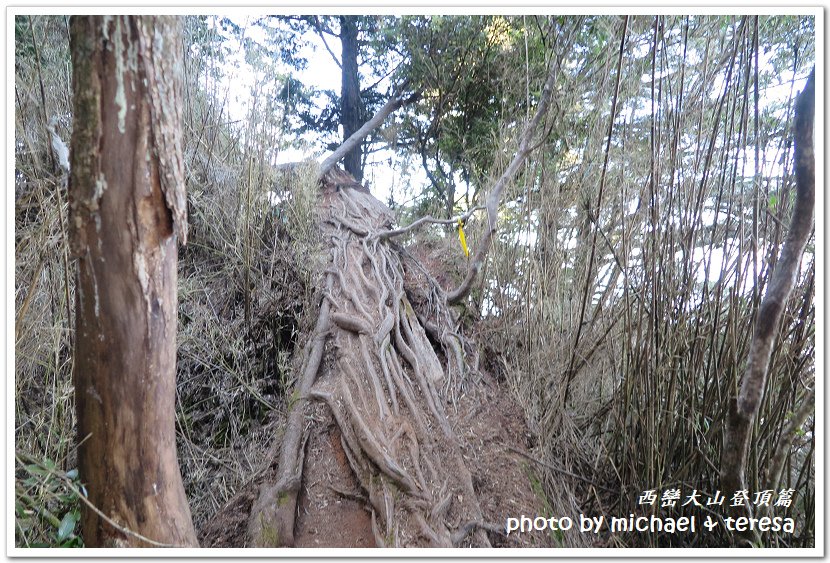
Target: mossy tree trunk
x=127, y=207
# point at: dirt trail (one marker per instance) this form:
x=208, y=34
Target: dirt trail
x=331, y=509
x=488, y=423
x=395, y=440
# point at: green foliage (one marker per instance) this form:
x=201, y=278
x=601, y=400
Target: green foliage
x=24, y=44
x=47, y=504
x=310, y=109
x=465, y=68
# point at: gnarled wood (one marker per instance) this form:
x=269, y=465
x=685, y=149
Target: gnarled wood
x=383, y=387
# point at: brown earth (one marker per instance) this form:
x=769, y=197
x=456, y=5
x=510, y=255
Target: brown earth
x=331, y=507
x=477, y=481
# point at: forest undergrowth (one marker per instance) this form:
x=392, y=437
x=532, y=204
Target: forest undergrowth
x=621, y=332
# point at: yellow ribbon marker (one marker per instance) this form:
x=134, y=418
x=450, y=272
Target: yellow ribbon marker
x=463, y=239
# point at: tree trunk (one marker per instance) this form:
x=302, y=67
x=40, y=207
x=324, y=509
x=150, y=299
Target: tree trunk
x=127, y=210
x=351, y=114
x=744, y=408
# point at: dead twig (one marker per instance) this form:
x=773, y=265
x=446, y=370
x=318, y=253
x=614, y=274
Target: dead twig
x=560, y=470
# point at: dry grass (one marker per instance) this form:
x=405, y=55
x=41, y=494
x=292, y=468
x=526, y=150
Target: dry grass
x=244, y=289
x=633, y=393
x=244, y=286
x=44, y=292
x=649, y=366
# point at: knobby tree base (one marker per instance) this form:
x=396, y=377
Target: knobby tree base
x=371, y=371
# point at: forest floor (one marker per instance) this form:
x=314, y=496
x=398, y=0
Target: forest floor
x=331, y=510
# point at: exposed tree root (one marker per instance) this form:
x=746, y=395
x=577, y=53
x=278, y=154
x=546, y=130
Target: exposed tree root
x=372, y=365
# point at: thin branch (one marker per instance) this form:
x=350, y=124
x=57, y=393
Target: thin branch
x=560, y=470
x=787, y=436
x=384, y=235
x=493, y=198
x=743, y=410
x=113, y=523
x=78, y=493
x=320, y=33
x=570, y=372
x=358, y=136
x=372, y=86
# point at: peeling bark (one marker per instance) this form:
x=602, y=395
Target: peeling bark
x=127, y=205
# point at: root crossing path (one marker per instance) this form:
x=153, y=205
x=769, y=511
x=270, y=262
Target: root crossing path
x=370, y=455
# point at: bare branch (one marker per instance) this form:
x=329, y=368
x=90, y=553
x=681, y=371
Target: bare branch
x=789, y=433
x=493, y=198
x=429, y=219
x=320, y=33
x=358, y=136
x=571, y=373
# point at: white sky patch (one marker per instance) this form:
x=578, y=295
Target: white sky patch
x=387, y=173
x=787, y=85
x=274, y=198
x=402, y=178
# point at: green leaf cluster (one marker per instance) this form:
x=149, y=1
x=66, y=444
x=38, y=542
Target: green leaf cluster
x=47, y=505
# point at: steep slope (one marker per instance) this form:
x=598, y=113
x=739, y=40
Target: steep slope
x=394, y=438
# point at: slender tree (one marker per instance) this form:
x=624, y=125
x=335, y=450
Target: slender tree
x=351, y=106
x=362, y=52
x=127, y=207
x=745, y=407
